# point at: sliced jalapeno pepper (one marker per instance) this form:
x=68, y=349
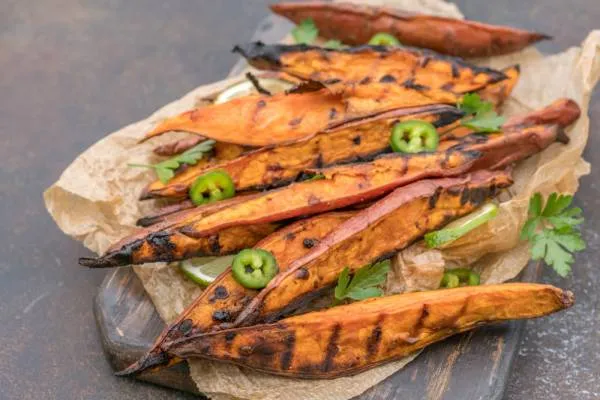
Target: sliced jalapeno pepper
x=414, y=137
x=254, y=268
x=212, y=186
x=460, y=277
x=384, y=39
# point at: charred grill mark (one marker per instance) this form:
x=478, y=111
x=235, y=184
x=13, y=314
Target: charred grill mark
x=356, y=140
x=295, y=122
x=215, y=246
x=464, y=196
x=478, y=195
x=257, y=84
x=375, y=338
x=387, y=79
x=185, y=327
x=424, y=61
x=302, y=274
x=332, y=349
x=288, y=354
x=229, y=336
x=447, y=117
x=434, y=198
x=319, y=161
x=365, y=81
x=455, y=71
x=309, y=243
x=410, y=84
x=275, y=167
x=290, y=236
x=447, y=86
x=221, y=316
x=332, y=113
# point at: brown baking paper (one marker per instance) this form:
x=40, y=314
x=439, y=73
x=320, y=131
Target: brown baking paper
x=95, y=201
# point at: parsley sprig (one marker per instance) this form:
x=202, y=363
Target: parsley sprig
x=480, y=114
x=552, y=231
x=165, y=170
x=306, y=32
x=364, y=284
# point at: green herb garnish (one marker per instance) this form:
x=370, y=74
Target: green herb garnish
x=364, y=284
x=333, y=44
x=165, y=170
x=305, y=32
x=480, y=115
x=552, y=231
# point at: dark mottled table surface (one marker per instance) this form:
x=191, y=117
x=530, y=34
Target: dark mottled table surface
x=73, y=70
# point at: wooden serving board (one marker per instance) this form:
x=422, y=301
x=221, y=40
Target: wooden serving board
x=470, y=366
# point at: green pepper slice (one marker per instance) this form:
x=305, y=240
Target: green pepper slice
x=254, y=268
x=212, y=186
x=414, y=137
x=384, y=39
x=460, y=277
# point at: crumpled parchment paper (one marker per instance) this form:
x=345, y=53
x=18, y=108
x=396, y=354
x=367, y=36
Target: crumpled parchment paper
x=95, y=201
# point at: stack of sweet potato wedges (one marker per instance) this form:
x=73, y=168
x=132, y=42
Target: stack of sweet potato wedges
x=318, y=186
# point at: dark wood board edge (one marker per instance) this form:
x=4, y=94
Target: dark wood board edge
x=446, y=370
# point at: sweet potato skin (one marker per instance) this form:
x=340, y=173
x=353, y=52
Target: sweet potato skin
x=370, y=64
x=348, y=339
x=277, y=166
x=400, y=218
x=224, y=299
x=260, y=120
x=355, y=24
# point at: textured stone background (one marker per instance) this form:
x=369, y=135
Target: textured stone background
x=72, y=70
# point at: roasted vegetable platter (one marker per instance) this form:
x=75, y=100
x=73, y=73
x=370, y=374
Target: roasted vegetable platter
x=308, y=190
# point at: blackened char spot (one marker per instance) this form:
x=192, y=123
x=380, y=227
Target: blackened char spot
x=220, y=292
x=434, y=198
x=319, y=161
x=455, y=71
x=364, y=81
x=332, y=113
x=215, y=246
x=331, y=81
x=332, y=349
x=424, y=61
x=478, y=195
x=447, y=117
x=356, y=140
x=290, y=236
x=410, y=84
x=229, y=336
x=387, y=79
x=309, y=243
x=221, y=316
x=161, y=245
x=274, y=167
x=302, y=274
x=447, y=86
x=185, y=327
x=295, y=122
x=288, y=354
x=464, y=196
x=261, y=104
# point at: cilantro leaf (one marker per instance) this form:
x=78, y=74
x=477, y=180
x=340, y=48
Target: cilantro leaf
x=165, y=170
x=552, y=231
x=480, y=115
x=305, y=32
x=364, y=284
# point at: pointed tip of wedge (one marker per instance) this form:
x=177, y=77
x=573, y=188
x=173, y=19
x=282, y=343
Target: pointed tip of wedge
x=567, y=299
x=146, y=362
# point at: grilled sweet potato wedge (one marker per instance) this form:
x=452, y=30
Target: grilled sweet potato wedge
x=276, y=166
x=371, y=64
x=355, y=24
x=175, y=238
x=262, y=120
x=224, y=299
x=498, y=92
x=375, y=233
x=348, y=339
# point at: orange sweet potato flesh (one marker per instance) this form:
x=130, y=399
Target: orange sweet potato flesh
x=370, y=64
x=261, y=120
x=375, y=233
x=277, y=166
x=348, y=339
x=224, y=299
x=355, y=24
x=177, y=236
